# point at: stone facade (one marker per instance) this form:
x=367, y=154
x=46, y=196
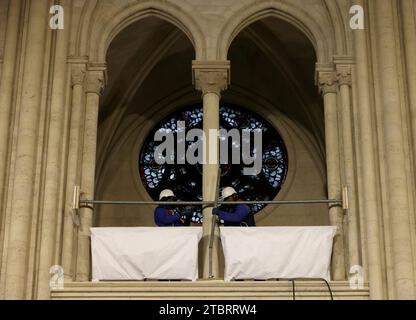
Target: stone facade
x=76, y=104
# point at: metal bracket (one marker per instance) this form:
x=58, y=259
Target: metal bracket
x=76, y=206
x=75, y=198
x=345, y=198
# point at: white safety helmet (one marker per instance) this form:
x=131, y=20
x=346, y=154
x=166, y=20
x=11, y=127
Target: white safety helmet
x=228, y=192
x=166, y=193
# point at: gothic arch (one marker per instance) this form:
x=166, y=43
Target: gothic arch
x=97, y=34
x=324, y=45
x=340, y=35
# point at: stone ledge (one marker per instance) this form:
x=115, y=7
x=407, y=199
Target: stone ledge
x=201, y=290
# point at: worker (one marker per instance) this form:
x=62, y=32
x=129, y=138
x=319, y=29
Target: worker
x=234, y=215
x=170, y=215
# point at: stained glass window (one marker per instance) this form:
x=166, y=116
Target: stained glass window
x=186, y=180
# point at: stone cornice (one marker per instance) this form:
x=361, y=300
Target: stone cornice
x=77, y=60
x=343, y=60
x=211, y=76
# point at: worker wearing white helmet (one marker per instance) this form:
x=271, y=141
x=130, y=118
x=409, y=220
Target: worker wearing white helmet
x=170, y=215
x=234, y=215
x=167, y=194
x=228, y=192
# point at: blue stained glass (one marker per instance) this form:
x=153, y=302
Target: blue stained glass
x=186, y=180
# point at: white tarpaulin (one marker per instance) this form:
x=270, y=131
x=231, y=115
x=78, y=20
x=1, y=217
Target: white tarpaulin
x=145, y=253
x=277, y=252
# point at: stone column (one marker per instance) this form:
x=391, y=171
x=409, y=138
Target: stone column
x=409, y=29
x=54, y=165
x=366, y=144
x=7, y=80
x=73, y=169
x=344, y=80
x=27, y=145
x=211, y=78
x=94, y=87
x=395, y=153
x=408, y=11
x=328, y=86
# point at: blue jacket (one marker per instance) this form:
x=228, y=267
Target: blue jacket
x=237, y=215
x=165, y=217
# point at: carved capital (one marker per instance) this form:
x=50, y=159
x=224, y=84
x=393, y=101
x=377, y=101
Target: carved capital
x=344, y=74
x=77, y=75
x=95, y=82
x=327, y=82
x=211, y=76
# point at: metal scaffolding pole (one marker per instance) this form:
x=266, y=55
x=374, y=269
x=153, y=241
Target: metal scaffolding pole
x=78, y=202
x=207, y=203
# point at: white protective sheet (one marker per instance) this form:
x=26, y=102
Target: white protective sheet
x=145, y=253
x=277, y=252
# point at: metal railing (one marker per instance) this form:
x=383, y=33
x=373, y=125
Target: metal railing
x=78, y=202
x=204, y=203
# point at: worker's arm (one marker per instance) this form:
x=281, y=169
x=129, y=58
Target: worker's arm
x=164, y=217
x=239, y=214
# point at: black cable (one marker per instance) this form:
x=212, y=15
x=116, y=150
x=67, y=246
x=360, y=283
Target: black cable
x=326, y=282
x=293, y=289
x=329, y=289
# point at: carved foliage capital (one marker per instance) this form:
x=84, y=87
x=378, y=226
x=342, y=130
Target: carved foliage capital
x=328, y=82
x=95, y=82
x=211, y=76
x=77, y=75
x=344, y=74
x=211, y=81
